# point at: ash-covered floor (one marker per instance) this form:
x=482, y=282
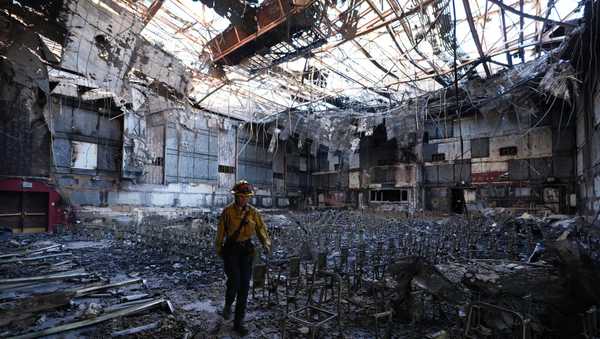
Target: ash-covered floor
x=372, y=275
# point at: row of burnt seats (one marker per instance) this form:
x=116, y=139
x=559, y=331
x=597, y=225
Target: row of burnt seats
x=326, y=288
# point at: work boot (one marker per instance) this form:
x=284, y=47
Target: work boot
x=240, y=329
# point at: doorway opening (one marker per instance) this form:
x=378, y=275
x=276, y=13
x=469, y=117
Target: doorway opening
x=458, y=200
x=24, y=212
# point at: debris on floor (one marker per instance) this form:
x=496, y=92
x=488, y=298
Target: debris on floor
x=44, y=294
x=352, y=275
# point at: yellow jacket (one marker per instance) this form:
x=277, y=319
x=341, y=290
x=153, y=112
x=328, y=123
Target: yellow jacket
x=230, y=221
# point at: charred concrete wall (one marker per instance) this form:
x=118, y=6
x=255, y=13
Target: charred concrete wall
x=515, y=151
x=329, y=177
x=179, y=157
x=311, y=162
x=385, y=173
x=255, y=162
x=86, y=149
x=100, y=43
x=299, y=163
x=586, y=97
x=589, y=177
x=103, y=114
x=24, y=138
x=181, y=161
x=507, y=158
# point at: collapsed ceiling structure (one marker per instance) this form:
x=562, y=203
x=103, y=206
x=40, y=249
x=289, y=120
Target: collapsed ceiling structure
x=424, y=158
x=277, y=56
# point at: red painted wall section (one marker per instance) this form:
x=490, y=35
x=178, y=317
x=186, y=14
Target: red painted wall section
x=487, y=177
x=56, y=213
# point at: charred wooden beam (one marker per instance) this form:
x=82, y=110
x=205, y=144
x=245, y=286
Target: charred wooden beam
x=93, y=321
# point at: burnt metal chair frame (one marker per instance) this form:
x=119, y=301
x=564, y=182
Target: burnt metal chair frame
x=295, y=316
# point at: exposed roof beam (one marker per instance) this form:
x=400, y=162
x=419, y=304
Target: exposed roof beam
x=387, y=27
x=390, y=31
x=345, y=76
x=366, y=53
x=521, y=25
x=373, y=61
x=382, y=17
x=505, y=36
x=545, y=26
x=529, y=16
x=476, y=36
x=404, y=15
x=469, y=62
x=152, y=10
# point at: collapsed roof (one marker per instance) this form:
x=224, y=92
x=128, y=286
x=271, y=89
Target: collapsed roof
x=340, y=56
x=254, y=60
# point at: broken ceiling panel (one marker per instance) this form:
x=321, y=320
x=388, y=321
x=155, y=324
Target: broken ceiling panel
x=333, y=58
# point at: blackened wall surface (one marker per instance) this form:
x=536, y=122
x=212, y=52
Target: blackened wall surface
x=255, y=162
x=522, y=158
x=81, y=128
x=24, y=137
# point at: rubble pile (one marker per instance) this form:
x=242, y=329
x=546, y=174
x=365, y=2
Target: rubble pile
x=332, y=273
x=47, y=289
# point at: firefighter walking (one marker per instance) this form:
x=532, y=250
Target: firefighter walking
x=239, y=221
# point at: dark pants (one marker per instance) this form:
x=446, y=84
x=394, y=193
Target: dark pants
x=238, y=269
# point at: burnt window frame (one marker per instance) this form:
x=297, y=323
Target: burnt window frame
x=435, y=157
x=226, y=169
x=377, y=196
x=508, y=151
x=482, y=148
